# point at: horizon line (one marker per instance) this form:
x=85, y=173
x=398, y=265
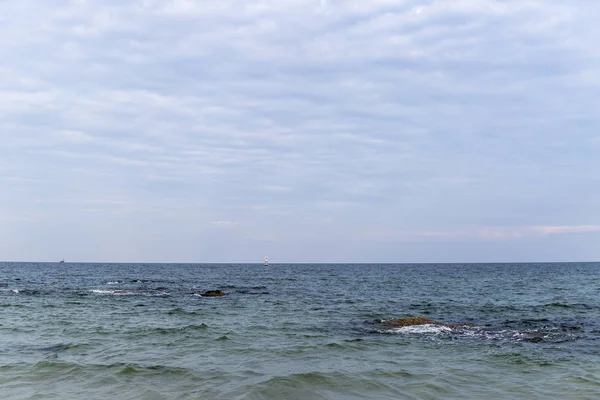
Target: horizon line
x=300, y=262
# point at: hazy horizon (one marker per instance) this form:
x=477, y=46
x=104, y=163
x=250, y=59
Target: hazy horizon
x=270, y=264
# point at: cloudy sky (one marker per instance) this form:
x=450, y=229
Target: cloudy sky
x=306, y=130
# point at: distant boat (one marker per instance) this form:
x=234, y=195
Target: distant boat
x=62, y=261
x=266, y=260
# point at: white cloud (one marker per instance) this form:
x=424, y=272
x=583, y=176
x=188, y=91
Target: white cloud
x=553, y=230
x=225, y=224
x=477, y=234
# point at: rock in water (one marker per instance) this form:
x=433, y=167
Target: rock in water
x=213, y=293
x=412, y=321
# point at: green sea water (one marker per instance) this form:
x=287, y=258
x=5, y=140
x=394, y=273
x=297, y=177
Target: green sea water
x=144, y=331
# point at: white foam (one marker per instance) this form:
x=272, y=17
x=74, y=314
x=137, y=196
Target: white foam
x=427, y=328
x=114, y=292
x=103, y=291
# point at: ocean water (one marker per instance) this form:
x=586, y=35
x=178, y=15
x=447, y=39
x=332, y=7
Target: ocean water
x=143, y=331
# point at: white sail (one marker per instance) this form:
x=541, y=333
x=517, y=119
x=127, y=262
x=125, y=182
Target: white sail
x=266, y=260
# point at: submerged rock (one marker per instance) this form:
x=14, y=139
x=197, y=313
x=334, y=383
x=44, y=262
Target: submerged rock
x=212, y=293
x=413, y=321
x=410, y=321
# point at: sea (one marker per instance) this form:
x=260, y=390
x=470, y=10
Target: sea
x=299, y=331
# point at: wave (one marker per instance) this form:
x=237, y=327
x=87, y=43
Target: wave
x=60, y=347
x=308, y=385
x=48, y=349
x=575, y=306
x=144, y=281
x=129, y=292
x=533, y=331
x=252, y=291
x=242, y=289
x=181, y=311
x=160, y=291
x=172, y=330
x=49, y=366
x=317, y=385
x=236, y=287
x=119, y=288
x=114, y=282
x=157, y=369
x=12, y=305
x=27, y=292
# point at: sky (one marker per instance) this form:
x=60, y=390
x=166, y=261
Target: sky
x=306, y=130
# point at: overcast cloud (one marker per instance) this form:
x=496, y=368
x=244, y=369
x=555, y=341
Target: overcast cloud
x=306, y=130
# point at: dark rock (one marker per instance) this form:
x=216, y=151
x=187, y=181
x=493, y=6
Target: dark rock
x=412, y=321
x=212, y=293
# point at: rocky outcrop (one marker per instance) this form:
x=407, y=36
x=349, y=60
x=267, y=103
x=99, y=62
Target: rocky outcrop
x=412, y=321
x=212, y=293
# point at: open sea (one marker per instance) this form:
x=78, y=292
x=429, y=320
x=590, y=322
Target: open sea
x=143, y=331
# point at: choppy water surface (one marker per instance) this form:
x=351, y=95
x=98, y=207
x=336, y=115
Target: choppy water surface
x=138, y=331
